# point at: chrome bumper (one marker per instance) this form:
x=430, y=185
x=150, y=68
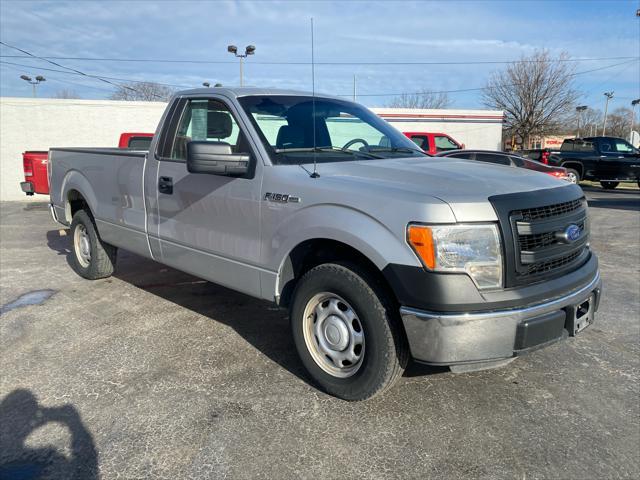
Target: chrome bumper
x=466, y=338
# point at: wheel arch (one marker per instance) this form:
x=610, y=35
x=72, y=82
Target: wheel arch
x=577, y=166
x=77, y=193
x=316, y=251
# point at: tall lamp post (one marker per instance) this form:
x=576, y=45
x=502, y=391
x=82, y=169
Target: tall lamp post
x=633, y=115
x=609, y=96
x=580, y=109
x=249, y=50
x=33, y=81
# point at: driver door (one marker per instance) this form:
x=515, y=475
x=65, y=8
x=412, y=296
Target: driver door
x=208, y=225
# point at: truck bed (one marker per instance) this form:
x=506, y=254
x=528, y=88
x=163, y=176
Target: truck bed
x=115, y=179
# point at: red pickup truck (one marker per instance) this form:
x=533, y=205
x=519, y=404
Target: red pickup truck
x=34, y=163
x=433, y=143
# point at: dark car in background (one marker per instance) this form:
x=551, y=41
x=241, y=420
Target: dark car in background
x=608, y=160
x=507, y=159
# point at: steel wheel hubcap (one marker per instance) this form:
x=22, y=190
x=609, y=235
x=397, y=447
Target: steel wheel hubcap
x=333, y=334
x=572, y=177
x=82, y=245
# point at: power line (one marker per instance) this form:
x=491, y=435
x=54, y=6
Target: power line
x=79, y=72
x=107, y=79
x=54, y=79
x=92, y=75
x=479, y=88
x=348, y=63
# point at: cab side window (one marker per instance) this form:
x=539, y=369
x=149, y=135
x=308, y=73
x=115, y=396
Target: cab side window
x=207, y=120
x=445, y=143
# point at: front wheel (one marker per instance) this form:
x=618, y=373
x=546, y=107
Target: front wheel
x=573, y=175
x=91, y=258
x=347, y=331
x=609, y=185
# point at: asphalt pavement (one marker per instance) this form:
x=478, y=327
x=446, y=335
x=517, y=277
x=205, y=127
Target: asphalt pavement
x=157, y=374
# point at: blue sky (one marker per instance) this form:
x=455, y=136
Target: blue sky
x=355, y=31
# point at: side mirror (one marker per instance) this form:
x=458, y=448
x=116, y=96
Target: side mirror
x=462, y=147
x=215, y=158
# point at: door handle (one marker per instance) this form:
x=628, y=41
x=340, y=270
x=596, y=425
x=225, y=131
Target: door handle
x=165, y=185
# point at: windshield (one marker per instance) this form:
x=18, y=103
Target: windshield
x=344, y=131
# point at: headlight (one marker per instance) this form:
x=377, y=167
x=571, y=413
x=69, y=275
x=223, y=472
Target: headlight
x=472, y=249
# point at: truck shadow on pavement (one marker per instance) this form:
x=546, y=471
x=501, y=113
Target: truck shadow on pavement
x=621, y=199
x=20, y=416
x=262, y=324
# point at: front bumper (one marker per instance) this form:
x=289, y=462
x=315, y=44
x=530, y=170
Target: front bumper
x=453, y=338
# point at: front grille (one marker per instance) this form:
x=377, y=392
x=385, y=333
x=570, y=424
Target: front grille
x=531, y=243
x=534, y=226
x=538, y=213
x=539, y=248
x=551, y=265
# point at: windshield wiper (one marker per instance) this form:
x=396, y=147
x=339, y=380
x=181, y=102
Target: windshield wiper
x=398, y=150
x=326, y=150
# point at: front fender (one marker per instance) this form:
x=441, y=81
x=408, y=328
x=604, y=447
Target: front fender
x=343, y=224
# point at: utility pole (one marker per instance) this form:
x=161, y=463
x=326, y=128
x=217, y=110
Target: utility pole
x=354, y=88
x=580, y=110
x=33, y=82
x=609, y=96
x=249, y=50
x=633, y=116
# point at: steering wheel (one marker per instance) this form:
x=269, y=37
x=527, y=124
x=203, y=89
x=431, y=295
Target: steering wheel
x=354, y=141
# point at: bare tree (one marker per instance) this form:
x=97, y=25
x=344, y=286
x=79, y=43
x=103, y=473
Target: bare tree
x=66, y=93
x=422, y=99
x=536, y=94
x=619, y=123
x=142, y=91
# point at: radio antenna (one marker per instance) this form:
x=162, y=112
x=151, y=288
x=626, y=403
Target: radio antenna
x=315, y=173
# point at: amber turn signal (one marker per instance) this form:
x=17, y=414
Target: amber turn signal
x=421, y=240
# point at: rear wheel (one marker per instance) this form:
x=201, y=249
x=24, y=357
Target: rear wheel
x=609, y=185
x=91, y=257
x=347, y=331
x=573, y=175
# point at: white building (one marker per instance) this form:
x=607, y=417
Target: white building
x=481, y=129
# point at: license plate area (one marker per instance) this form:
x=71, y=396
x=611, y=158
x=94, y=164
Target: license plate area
x=580, y=316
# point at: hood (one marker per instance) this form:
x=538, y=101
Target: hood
x=464, y=184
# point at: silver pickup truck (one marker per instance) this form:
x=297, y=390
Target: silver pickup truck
x=380, y=252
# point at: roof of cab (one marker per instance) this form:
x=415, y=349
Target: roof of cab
x=234, y=92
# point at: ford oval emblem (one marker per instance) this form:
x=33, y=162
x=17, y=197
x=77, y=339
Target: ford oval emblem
x=572, y=232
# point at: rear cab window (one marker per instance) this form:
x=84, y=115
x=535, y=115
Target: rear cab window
x=422, y=141
x=139, y=143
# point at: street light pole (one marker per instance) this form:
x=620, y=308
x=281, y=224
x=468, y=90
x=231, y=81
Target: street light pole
x=580, y=109
x=249, y=50
x=33, y=82
x=609, y=96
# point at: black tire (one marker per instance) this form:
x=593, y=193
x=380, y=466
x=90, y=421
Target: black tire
x=385, y=353
x=102, y=255
x=573, y=174
x=609, y=185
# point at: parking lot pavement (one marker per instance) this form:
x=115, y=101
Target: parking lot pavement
x=156, y=374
